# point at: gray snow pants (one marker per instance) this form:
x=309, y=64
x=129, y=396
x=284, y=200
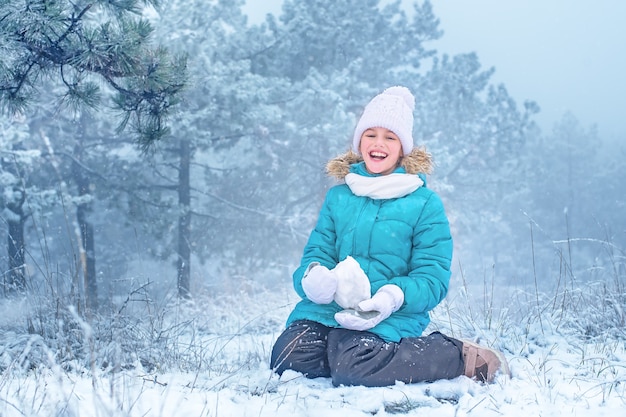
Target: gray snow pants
x=352, y=357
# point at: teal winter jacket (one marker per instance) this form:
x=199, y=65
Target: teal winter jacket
x=404, y=241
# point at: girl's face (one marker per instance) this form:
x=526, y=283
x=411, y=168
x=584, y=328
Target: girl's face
x=381, y=150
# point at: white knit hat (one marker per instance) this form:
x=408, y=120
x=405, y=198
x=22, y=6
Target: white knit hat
x=393, y=110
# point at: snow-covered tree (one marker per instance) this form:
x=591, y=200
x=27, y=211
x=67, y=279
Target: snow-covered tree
x=574, y=193
x=13, y=200
x=369, y=39
x=225, y=106
x=22, y=197
x=476, y=132
x=568, y=173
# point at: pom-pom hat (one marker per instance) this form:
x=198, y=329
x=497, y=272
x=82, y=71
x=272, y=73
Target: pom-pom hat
x=392, y=109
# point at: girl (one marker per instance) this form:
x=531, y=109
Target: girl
x=375, y=265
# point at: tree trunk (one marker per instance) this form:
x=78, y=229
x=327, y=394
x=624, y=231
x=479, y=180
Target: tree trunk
x=88, y=255
x=184, y=220
x=87, y=248
x=16, y=275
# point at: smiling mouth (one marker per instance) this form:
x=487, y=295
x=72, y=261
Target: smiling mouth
x=378, y=156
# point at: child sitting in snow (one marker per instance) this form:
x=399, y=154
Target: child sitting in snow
x=377, y=262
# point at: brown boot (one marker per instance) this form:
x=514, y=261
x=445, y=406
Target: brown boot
x=482, y=363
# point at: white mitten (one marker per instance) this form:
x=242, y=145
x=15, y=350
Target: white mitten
x=319, y=284
x=388, y=299
x=353, y=286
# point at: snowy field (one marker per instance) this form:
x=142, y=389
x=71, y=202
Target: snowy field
x=566, y=352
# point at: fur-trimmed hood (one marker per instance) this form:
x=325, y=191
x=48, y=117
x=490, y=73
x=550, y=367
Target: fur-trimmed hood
x=419, y=161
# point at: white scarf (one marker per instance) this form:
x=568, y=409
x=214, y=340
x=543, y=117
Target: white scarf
x=383, y=187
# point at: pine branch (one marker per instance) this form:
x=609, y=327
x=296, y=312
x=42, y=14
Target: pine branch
x=59, y=42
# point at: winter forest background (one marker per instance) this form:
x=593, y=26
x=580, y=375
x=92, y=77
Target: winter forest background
x=135, y=175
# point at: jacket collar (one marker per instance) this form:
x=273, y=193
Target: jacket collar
x=419, y=161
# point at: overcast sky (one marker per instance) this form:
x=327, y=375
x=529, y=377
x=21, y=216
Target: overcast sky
x=567, y=55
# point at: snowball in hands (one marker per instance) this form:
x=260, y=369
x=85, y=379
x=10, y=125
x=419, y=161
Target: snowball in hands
x=388, y=299
x=319, y=284
x=353, y=286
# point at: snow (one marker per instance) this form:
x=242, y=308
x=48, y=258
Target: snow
x=555, y=370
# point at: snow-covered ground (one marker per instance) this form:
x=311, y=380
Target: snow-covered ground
x=558, y=369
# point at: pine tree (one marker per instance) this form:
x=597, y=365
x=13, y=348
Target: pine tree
x=226, y=108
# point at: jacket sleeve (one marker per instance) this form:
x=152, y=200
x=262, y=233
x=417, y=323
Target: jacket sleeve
x=321, y=246
x=429, y=270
